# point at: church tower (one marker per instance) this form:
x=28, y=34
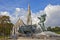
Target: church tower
x=29, y=19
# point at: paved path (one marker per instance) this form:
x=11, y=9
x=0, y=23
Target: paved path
x=20, y=38
x=26, y=38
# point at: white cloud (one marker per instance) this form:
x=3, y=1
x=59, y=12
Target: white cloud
x=19, y=13
x=52, y=11
x=4, y=13
x=17, y=9
x=34, y=18
x=53, y=15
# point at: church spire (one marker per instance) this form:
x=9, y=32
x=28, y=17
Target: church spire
x=29, y=20
x=28, y=7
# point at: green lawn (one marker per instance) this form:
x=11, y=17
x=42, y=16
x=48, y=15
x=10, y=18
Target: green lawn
x=2, y=37
x=58, y=32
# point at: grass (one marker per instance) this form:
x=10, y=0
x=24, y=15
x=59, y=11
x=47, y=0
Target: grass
x=58, y=32
x=3, y=37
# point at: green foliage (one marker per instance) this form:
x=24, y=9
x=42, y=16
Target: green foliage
x=56, y=29
x=5, y=25
x=49, y=28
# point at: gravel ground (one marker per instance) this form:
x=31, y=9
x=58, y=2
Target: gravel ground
x=26, y=38
x=20, y=38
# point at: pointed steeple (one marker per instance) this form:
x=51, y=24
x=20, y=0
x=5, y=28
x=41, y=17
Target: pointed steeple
x=29, y=20
x=28, y=7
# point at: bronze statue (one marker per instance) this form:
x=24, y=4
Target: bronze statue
x=42, y=20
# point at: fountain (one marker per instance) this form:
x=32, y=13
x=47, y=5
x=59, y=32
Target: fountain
x=41, y=23
x=28, y=29
x=43, y=31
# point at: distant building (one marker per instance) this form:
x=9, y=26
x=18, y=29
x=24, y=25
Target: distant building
x=24, y=27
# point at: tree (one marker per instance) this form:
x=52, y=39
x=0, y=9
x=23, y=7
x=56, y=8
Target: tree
x=49, y=28
x=5, y=25
x=56, y=29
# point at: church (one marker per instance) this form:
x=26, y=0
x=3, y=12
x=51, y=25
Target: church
x=28, y=21
x=21, y=27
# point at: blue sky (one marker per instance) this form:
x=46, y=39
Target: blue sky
x=15, y=8
x=36, y=5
